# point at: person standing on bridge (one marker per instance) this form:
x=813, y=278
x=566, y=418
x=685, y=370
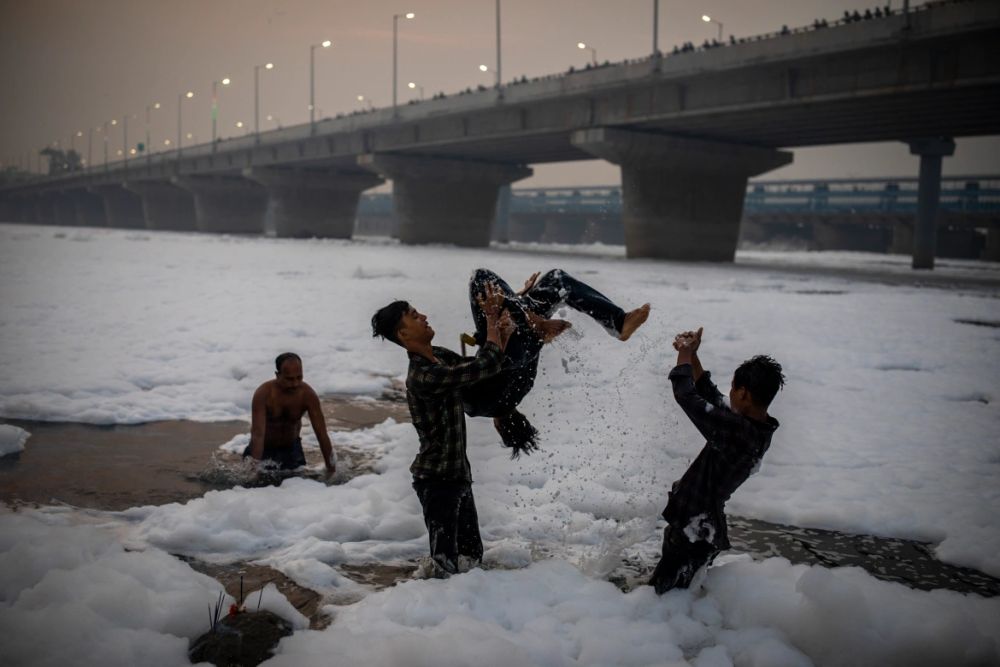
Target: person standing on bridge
x=530, y=310
x=737, y=437
x=276, y=418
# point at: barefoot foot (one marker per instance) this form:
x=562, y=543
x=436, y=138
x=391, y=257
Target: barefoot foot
x=633, y=320
x=548, y=330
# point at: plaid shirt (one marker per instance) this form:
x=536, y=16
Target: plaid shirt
x=434, y=394
x=735, y=447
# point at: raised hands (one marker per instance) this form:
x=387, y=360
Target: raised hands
x=688, y=341
x=491, y=302
x=530, y=282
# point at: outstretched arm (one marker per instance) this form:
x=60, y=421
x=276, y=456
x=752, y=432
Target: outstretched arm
x=318, y=422
x=258, y=419
x=694, y=390
x=437, y=378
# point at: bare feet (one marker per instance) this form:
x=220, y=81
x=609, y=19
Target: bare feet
x=547, y=330
x=633, y=320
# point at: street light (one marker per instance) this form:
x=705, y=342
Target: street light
x=413, y=86
x=256, y=99
x=180, y=101
x=395, y=50
x=215, y=105
x=593, y=52
x=312, y=82
x=708, y=19
x=363, y=99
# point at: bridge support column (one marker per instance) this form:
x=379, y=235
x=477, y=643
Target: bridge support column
x=682, y=198
x=123, y=208
x=991, y=253
x=308, y=203
x=89, y=209
x=925, y=230
x=64, y=205
x=165, y=206
x=23, y=210
x=226, y=204
x=45, y=212
x=501, y=220
x=443, y=200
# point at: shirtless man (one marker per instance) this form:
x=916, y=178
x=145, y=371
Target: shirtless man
x=277, y=409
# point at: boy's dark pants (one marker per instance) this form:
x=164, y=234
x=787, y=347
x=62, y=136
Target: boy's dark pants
x=451, y=520
x=680, y=561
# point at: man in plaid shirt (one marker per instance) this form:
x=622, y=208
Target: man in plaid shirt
x=442, y=476
x=737, y=438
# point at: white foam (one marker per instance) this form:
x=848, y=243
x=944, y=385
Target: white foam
x=12, y=439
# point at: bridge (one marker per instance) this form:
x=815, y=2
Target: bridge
x=867, y=214
x=687, y=130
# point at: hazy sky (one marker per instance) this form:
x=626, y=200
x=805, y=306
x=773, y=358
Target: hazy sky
x=66, y=65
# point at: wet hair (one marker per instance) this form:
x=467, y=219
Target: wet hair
x=280, y=360
x=762, y=377
x=385, y=321
x=517, y=433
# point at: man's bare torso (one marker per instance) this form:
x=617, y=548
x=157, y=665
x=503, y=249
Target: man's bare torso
x=284, y=410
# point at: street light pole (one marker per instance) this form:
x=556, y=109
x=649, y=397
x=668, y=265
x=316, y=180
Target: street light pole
x=180, y=101
x=256, y=99
x=498, y=46
x=149, y=146
x=125, y=140
x=656, y=28
x=395, y=50
x=215, y=106
x=312, y=83
x=593, y=52
x=708, y=19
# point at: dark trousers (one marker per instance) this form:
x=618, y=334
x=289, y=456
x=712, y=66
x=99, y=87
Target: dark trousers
x=680, y=561
x=287, y=458
x=451, y=520
x=502, y=393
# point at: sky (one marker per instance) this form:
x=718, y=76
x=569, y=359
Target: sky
x=68, y=66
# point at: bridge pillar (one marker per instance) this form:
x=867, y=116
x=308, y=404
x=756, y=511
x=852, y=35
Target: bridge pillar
x=439, y=200
x=501, y=220
x=45, y=212
x=165, y=206
x=23, y=209
x=309, y=203
x=64, y=205
x=925, y=230
x=226, y=204
x=89, y=209
x=991, y=253
x=123, y=208
x=682, y=198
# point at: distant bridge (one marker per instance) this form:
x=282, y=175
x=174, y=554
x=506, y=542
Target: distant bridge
x=687, y=131
x=873, y=214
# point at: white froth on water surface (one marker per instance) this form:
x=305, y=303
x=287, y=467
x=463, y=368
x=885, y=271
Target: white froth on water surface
x=889, y=424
